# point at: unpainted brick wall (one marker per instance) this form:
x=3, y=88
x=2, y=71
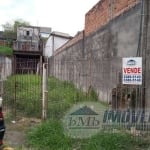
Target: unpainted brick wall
x=100, y=15
x=3, y=43
x=104, y=11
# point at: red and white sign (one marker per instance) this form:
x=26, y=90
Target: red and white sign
x=132, y=70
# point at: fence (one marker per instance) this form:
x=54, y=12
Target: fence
x=104, y=76
x=126, y=105
x=70, y=84
x=21, y=88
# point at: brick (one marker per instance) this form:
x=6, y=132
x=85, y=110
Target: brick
x=100, y=13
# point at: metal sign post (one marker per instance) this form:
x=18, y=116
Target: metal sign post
x=44, y=92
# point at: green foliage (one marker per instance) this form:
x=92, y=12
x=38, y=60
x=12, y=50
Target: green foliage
x=4, y=50
x=62, y=95
x=49, y=135
x=24, y=93
x=92, y=94
x=10, y=30
x=19, y=23
x=110, y=141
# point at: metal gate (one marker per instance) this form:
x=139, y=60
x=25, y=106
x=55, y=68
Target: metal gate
x=21, y=88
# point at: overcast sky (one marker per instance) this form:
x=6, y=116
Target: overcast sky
x=61, y=15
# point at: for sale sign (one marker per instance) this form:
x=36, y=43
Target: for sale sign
x=132, y=70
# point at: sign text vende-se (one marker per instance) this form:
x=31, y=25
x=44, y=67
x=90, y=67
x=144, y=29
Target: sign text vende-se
x=132, y=70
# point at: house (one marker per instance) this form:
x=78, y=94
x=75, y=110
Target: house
x=28, y=48
x=55, y=40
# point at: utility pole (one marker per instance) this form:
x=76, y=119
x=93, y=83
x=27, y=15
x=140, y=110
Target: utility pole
x=145, y=48
x=142, y=47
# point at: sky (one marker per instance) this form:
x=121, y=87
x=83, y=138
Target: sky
x=67, y=16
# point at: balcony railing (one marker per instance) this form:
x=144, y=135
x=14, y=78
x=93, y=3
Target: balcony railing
x=27, y=46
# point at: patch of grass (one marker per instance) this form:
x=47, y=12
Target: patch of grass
x=4, y=50
x=62, y=95
x=24, y=92
x=49, y=135
x=110, y=141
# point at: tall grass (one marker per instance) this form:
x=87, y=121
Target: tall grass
x=50, y=136
x=24, y=93
x=62, y=95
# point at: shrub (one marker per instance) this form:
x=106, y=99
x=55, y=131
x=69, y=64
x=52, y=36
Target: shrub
x=4, y=50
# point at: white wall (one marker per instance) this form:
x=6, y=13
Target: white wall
x=5, y=67
x=33, y=34
x=53, y=43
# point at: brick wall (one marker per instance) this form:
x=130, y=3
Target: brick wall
x=3, y=42
x=104, y=11
x=100, y=15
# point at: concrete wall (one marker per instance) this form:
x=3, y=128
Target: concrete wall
x=28, y=34
x=96, y=60
x=107, y=46
x=5, y=67
x=53, y=43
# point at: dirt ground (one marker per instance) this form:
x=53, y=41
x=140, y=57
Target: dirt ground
x=16, y=131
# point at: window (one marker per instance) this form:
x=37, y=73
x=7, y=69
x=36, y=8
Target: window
x=27, y=33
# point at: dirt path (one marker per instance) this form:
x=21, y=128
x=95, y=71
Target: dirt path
x=15, y=135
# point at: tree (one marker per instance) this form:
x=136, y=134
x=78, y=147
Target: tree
x=10, y=30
